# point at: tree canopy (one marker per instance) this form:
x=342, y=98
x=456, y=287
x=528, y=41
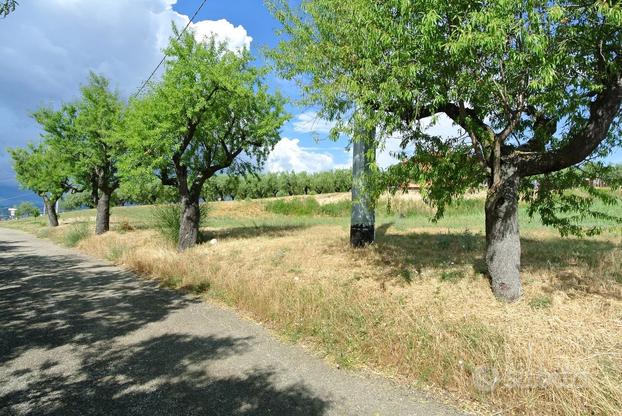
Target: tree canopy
x=534, y=88
x=44, y=169
x=211, y=111
x=87, y=133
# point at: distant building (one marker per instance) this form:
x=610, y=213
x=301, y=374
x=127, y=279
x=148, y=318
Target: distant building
x=12, y=212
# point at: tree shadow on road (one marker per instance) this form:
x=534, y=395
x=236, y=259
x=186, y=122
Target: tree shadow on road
x=48, y=301
x=67, y=348
x=166, y=375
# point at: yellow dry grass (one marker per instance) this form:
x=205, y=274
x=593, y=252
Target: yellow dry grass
x=416, y=307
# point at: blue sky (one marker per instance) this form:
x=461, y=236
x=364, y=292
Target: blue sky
x=48, y=47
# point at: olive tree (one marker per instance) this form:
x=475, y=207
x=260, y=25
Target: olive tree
x=534, y=88
x=210, y=112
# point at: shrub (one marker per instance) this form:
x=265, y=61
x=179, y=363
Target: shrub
x=309, y=206
x=167, y=220
x=27, y=209
x=75, y=234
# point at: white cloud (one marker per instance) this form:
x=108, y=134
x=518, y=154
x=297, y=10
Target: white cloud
x=441, y=125
x=385, y=156
x=235, y=36
x=310, y=122
x=288, y=156
x=48, y=47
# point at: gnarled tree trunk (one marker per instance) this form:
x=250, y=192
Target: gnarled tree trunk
x=189, y=222
x=502, y=235
x=102, y=220
x=50, y=209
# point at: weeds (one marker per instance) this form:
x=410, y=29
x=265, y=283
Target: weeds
x=167, y=220
x=115, y=253
x=75, y=234
x=125, y=226
x=451, y=276
x=540, y=302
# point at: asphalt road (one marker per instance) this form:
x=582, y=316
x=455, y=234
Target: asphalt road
x=81, y=337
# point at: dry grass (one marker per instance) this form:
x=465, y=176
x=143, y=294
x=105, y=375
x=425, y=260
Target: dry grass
x=416, y=307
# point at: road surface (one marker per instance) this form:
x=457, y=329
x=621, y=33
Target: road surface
x=81, y=337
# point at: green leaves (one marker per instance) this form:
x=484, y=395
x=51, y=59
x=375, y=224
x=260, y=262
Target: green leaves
x=79, y=146
x=523, y=75
x=569, y=201
x=7, y=6
x=42, y=169
x=211, y=111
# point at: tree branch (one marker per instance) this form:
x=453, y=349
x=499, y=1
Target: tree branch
x=166, y=179
x=603, y=111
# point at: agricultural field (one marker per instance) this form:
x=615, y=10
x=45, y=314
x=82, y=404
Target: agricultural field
x=415, y=306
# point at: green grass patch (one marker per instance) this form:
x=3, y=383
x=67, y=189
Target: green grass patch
x=166, y=219
x=115, y=253
x=540, y=302
x=75, y=234
x=294, y=207
x=451, y=276
x=302, y=207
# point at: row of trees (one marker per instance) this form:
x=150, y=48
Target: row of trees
x=534, y=87
x=210, y=112
x=226, y=186
x=271, y=185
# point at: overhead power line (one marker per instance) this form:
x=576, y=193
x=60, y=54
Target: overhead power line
x=144, y=84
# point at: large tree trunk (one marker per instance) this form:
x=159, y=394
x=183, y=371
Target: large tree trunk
x=502, y=235
x=189, y=222
x=102, y=221
x=50, y=209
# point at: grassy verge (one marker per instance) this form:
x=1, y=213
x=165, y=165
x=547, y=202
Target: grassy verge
x=415, y=305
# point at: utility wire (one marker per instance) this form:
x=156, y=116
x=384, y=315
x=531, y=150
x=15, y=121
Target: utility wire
x=164, y=57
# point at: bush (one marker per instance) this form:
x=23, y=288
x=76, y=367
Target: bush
x=308, y=207
x=76, y=233
x=167, y=220
x=27, y=209
x=77, y=200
